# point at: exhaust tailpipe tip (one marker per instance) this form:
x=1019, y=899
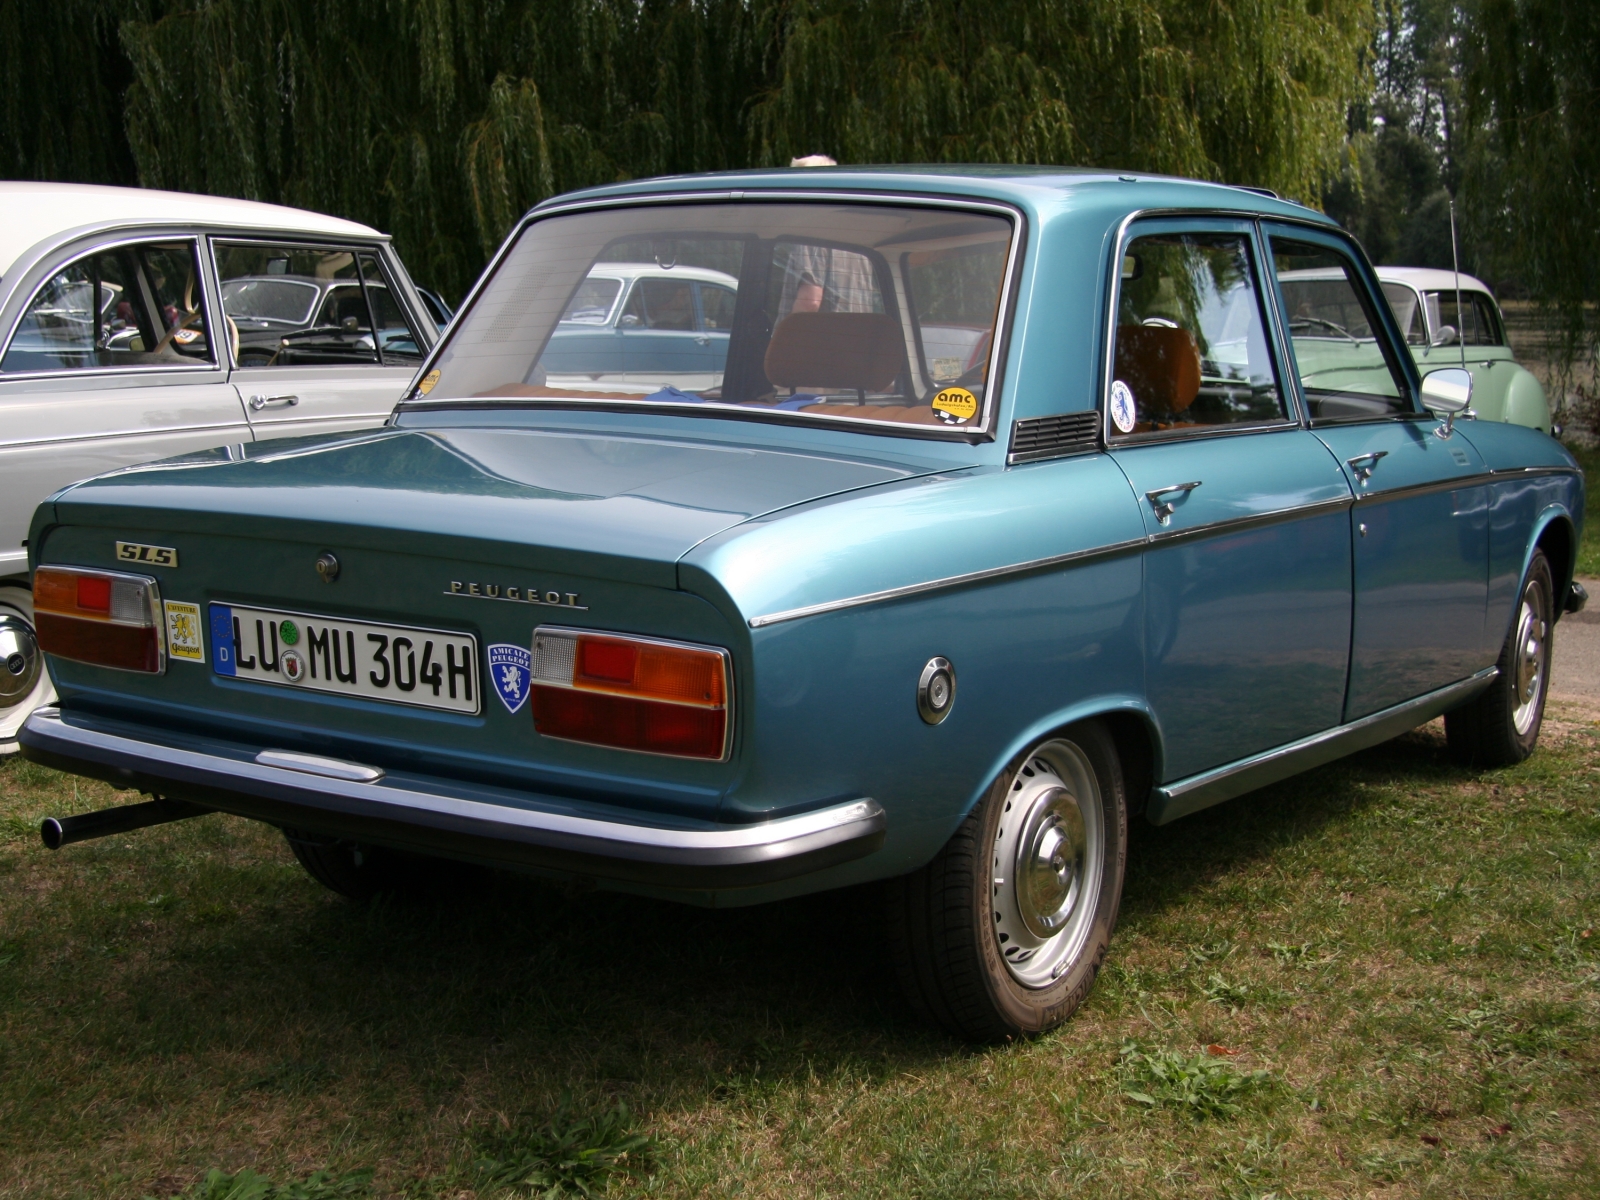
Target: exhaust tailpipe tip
x=57, y=832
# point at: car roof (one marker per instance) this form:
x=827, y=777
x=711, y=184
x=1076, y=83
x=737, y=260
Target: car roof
x=1423, y=279
x=1029, y=187
x=1430, y=279
x=36, y=211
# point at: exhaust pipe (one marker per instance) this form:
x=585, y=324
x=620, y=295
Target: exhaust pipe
x=63, y=831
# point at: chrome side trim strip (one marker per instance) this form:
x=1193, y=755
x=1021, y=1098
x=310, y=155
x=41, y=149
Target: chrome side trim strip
x=950, y=581
x=1170, y=801
x=1160, y=538
x=444, y=817
x=1277, y=516
x=1454, y=484
x=1530, y=472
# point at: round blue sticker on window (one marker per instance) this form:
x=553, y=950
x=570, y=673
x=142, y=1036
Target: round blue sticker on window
x=1122, y=410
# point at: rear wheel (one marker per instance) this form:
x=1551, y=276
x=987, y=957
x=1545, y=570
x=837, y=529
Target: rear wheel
x=1501, y=725
x=360, y=871
x=1002, y=934
x=24, y=681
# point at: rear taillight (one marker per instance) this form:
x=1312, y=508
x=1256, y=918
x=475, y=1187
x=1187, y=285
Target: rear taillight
x=100, y=617
x=632, y=693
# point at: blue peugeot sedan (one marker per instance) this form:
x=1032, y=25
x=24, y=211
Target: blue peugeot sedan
x=1019, y=506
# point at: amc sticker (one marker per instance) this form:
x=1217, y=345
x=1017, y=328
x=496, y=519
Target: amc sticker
x=428, y=380
x=955, y=405
x=1123, y=414
x=183, y=631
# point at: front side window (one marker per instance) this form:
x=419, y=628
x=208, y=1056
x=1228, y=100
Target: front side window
x=138, y=305
x=1345, y=366
x=867, y=312
x=304, y=305
x=1474, y=322
x=1191, y=344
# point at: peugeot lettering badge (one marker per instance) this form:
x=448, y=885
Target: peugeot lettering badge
x=511, y=669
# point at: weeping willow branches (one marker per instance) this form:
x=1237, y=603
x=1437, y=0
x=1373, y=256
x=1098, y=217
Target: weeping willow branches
x=442, y=120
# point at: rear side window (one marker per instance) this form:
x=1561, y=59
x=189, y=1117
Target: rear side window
x=312, y=305
x=1474, y=322
x=139, y=305
x=1191, y=344
x=1347, y=369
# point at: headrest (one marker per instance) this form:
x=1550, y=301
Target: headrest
x=1161, y=364
x=835, y=350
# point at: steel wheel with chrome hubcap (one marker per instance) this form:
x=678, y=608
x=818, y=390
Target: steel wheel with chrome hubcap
x=1501, y=726
x=1003, y=933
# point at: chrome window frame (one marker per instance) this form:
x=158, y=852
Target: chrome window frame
x=1005, y=320
x=1113, y=438
x=1399, y=350
x=54, y=261
x=382, y=249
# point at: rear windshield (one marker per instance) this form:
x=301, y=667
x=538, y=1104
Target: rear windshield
x=867, y=312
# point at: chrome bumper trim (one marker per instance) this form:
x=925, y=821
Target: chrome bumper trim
x=439, y=817
x=1170, y=801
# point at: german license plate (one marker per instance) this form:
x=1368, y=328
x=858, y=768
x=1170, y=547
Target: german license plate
x=429, y=668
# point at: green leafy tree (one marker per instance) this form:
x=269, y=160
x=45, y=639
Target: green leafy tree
x=442, y=122
x=1531, y=83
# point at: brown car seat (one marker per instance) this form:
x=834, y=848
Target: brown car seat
x=1162, y=366
x=862, y=351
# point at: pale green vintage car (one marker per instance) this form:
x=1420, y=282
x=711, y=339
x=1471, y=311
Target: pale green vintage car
x=1437, y=329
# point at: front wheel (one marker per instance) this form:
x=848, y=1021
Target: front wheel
x=1501, y=725
x=1002, y=934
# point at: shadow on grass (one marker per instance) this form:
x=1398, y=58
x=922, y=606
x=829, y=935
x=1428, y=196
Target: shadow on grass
x=1166, y=864
x=503, y=990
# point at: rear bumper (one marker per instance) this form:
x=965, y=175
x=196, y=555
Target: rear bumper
x=451, y=819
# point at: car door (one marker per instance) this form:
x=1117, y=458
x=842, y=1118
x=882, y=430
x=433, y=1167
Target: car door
x=325, y=341
x=1419, y=525
x=586, y=346
x=716, y=319
x=108, y=363
x=661, y=345
x=1247, y=570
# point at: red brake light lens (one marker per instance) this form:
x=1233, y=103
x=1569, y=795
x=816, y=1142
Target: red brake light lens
x=632, y=693
x=105, y=618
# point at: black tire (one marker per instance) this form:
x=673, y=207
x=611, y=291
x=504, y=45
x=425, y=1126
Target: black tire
x=360, y=871
x=1501, y=725
x=945, y=921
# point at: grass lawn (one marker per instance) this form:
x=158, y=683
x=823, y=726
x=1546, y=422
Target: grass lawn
x=1393, y=962
x=1589, y=551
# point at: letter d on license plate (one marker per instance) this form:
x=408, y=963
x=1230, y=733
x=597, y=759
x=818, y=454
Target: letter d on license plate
x=428, y=668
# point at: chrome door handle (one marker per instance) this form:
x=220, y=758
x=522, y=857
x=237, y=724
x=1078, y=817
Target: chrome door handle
x=1165, y=508
x=257, y=403
x=703, y=340
x=1362, y=465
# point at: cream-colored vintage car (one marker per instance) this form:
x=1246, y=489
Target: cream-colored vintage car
x=135, y=325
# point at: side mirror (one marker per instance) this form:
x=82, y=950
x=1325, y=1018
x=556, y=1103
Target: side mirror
x=1447, y=394
x=1446, y=336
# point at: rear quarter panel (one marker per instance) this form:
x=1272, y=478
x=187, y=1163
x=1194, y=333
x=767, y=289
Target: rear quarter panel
x=834, y=693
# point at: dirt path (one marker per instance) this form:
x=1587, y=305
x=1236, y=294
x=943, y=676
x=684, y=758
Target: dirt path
x=1576, y=670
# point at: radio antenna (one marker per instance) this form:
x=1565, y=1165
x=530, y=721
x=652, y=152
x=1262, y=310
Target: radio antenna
x=1455, y=259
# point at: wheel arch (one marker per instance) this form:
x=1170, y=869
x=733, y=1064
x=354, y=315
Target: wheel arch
x=1133, y=729
x=1555, y=533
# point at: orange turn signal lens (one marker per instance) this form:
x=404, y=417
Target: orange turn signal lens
x=632, y=693
x=105, y=618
